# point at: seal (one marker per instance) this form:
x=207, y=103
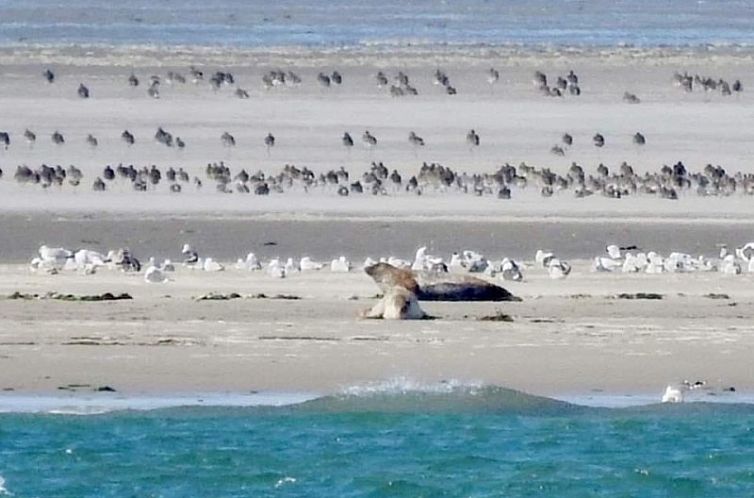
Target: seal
x=397, y=304
x=436, y=286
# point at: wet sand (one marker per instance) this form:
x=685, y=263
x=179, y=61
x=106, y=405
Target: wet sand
x=229, y=238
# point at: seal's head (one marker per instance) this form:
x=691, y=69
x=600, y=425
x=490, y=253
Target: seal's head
x=387, y=276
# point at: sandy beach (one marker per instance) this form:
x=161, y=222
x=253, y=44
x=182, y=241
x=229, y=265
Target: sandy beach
x=566, y=336
x=574, y=336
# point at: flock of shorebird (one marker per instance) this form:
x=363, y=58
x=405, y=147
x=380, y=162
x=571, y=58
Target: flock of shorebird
x=707, y=84
x=398, y=84
x=669, y=182
x=615, y=259
x=162, y=136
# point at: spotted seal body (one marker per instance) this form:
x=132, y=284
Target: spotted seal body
x=430, y=286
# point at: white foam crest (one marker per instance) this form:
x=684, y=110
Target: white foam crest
x=3, y=490
x=404, y=385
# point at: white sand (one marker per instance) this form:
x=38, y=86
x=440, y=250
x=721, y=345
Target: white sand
x=567, y=336
x=165, y=341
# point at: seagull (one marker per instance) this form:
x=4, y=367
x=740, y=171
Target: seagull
x=601, y=264
x=191, y=255
x=57, y=256
x=543, y=258
x=472, y=138
x=155, y=275
x=426, y=262
x=212, y=266
x=291, y=266
x=613, y=251
x=511, y=270
x=340, y=265
x=673, y=394
x=83, y=91
x=87, y=260
x=558, y=269
x=276, y=269
x=306, y=264
x=251, y=263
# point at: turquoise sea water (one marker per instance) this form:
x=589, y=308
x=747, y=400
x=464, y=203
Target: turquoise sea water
x=335, y=23
x=459, y=442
